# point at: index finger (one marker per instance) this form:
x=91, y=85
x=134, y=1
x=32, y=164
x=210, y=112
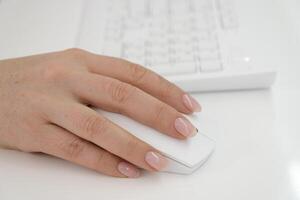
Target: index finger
x=142, y=78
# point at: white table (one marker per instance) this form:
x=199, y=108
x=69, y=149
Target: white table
x=257, y=132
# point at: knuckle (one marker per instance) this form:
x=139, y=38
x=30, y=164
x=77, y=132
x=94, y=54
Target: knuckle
x=159, y=113
x=101, y=160
x=75, y=54
x=137, y=72
x=167, y=89
x=94, y=126
x=74, y=148
x=120, y=92
x=74, y=51
x=131, y=147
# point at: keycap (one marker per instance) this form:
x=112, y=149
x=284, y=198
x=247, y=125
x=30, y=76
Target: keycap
x=210, y=66
x=209, y=55
x=228, y=19
x=112, y=49
x=173, y=69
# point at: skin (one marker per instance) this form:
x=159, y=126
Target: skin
x=46, y=107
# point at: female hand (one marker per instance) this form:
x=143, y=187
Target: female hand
x=45, y=103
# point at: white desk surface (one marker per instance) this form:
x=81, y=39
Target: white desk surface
x=258, y=142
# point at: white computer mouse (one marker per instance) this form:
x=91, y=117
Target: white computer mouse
x=184, y=156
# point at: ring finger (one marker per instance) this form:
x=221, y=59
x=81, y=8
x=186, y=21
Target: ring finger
x=90, y=126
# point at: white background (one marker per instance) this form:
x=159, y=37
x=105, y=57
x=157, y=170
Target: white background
x=257, y=132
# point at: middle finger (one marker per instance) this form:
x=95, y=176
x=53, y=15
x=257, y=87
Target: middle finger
x=113, y=95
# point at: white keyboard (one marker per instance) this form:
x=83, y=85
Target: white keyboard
x=168, y=36
x=179, y=39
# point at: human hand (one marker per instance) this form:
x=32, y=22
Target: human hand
x=45, y=107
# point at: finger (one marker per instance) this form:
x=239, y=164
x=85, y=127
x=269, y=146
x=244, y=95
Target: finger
x=142, y=78
x=89, y=125
x=63, y=144
x=113, y=95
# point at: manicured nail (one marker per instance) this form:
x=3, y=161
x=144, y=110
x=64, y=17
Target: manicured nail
x=156, y=160
x=128, y=170
x=185, y=127
x=191, y=103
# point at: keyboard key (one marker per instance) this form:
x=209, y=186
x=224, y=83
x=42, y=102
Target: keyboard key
x=158, y=7
x=157, y=59
x=175, y=69
x=209, y=55
x=228, y=19
x=112, y=49
x=207, y=45
x=210, y=66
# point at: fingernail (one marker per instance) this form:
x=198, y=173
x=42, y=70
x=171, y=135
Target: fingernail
x=191, y=103
x=185, y=127
x=128, y=170
x=156, y=160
